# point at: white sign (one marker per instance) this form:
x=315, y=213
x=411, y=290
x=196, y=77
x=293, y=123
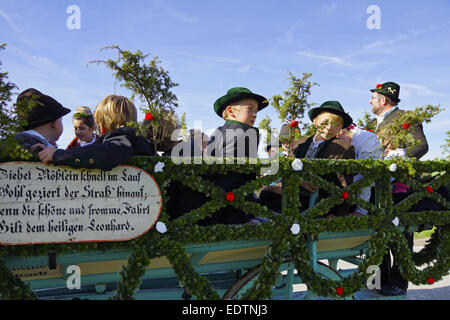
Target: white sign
x=53, y=204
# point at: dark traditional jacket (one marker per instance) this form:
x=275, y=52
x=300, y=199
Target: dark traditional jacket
x=107, y=152
x=330, y=149
x=417, y=132
x=28, y=140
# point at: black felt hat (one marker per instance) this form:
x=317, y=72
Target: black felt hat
x=45, y=109
x=389, y=89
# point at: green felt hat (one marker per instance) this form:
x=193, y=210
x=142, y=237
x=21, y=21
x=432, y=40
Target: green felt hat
x=333, y=107
x=389, y=89
x=236, y=94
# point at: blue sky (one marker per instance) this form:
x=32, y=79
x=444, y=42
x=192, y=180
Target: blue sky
x=209, y=46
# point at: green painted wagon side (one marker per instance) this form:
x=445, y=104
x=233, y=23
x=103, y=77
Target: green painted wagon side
x=221, y=263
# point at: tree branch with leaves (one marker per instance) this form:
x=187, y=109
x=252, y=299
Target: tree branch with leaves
x=151, y=84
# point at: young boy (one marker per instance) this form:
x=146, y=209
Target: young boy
x=116, y=144
x=328, y=119
x=236, y=138
x=44, y=119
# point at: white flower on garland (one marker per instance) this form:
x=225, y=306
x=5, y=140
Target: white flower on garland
x=295, y=229
x=393, y=167
x=159, y=167
x=161, y=227
x=396, y=221
x=297, y=165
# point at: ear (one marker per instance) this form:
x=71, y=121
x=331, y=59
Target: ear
x=54, y=124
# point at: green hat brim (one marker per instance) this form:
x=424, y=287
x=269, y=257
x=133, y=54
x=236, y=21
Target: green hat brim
x=228, y=99
x=345, y=116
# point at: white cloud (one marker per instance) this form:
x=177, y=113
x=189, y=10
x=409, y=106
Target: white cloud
x=337, y=61
x=217, y=59
x=418, y=89
x=14, y=27
x=384, y=43
x=244, y=69
x=329, y=9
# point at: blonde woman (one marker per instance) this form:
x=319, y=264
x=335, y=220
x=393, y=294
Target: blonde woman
x=115, y=145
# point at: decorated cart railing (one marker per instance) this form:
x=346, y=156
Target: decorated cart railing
x=178, y=259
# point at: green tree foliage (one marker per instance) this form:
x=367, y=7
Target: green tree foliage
x=264, y=124
x=367, y=122
x=151, y=84
x=295, y=103
x=446, y=146
x=10, y=123
x=398, y=133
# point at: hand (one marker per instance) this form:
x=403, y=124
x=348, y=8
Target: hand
x=275, y=189
x=309, y=186
x=46, y=153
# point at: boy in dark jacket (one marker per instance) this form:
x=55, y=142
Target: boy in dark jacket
x=116, y=144
x=236, y=138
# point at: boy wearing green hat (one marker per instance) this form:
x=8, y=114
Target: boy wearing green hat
x=238, y=108
x=328, y=120
x=236, y=138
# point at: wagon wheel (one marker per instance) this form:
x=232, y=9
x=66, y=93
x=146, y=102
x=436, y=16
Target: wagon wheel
x=326, y=272
x=242, y=283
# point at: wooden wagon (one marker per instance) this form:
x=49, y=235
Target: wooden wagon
x=242, y=263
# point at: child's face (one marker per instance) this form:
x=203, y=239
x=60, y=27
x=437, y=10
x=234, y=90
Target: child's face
x=82, y=131
x=247, y=111
x=328, y=125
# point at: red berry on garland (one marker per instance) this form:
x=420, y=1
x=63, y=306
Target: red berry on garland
x=430, y=280
x=429, y=189
x=294, y=124
x=230, y=196
x=339, y=291
x=406, y=126
x=345, y=195
x=148, y=116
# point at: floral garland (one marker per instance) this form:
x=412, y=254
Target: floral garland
x=278, y=232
